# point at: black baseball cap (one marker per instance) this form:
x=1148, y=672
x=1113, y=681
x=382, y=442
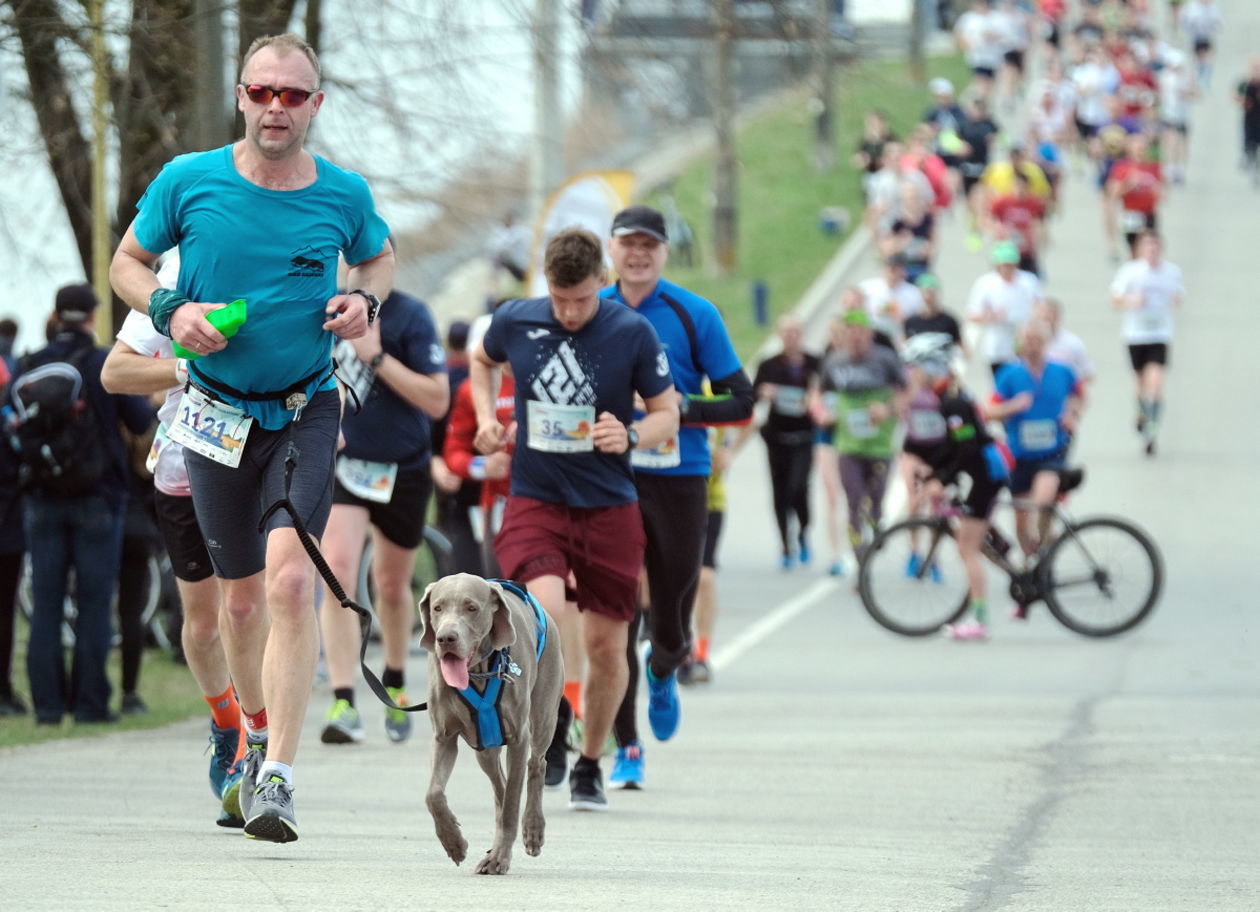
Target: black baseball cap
x=640, y=220
x=75, y=302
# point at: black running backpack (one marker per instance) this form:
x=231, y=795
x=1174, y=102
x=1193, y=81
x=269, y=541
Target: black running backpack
x=55, y=431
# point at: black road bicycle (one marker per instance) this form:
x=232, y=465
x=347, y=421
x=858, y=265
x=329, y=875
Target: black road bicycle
x=1099, y=576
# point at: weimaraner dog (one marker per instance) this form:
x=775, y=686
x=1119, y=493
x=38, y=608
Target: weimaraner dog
x=495, y=678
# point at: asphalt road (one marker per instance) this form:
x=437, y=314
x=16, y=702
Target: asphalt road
x=830, y=765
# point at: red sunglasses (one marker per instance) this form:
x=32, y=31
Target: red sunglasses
x=290, y=98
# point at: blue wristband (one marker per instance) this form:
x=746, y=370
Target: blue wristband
x=478, y=468
x=162, y=305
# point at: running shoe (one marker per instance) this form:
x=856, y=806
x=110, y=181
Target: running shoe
x=132, y=705
x=397, y=722
x=914, y=566
x=934, y=573
x=973, y=242
x=804, y=555
x=1020, y=613
x=664, y=710
x=251, y=763
x=700, y=672
x=223, y=742
x=344, y=725
x=230, y=798
x=271, y=812
x=684, y=673
x=972, y=631
x=586, y=788
x=12, y=705
x=627, y=771
x=785, y=562
x=836, y=568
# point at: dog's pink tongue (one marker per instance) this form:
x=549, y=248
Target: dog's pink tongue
x=455, y=671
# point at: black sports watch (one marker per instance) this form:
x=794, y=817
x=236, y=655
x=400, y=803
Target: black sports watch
x=632, y=438
x=374, y=303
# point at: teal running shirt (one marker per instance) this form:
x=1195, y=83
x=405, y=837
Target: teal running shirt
x=277, y=249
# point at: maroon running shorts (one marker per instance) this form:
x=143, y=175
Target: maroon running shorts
x=603, y=546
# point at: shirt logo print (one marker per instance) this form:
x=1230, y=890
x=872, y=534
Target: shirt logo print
x=304, y=262
x=562, y=381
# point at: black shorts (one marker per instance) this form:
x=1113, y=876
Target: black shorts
x=1053, y=36
x=1014, y=59
x=402, y=519
x=230, y=501
x=1149, y=223
x=969, y=182
x=712, y=535
x=177, y=521
x=1202, y=45
x=1148, y=353
x=1026, y=470
x=983, y=493
x=1086, y=130
x=983, y=72
x=1028, y=263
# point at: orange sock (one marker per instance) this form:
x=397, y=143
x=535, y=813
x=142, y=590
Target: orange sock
x=573, y=693
x=702, y=649
x=225, y=710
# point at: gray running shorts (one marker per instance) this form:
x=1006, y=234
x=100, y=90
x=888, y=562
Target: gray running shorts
x=230, y=502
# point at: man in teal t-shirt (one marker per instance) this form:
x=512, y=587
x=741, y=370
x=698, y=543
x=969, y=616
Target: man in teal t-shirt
x=264, y=220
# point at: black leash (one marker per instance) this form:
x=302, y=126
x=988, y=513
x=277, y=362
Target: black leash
x=334, y=585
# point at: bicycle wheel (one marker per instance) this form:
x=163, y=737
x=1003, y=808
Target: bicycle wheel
x=1103, y=576
x=919, y=598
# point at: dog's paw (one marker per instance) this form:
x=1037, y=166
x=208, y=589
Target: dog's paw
x=495, y=863
x=455, y=844
x=532, y=835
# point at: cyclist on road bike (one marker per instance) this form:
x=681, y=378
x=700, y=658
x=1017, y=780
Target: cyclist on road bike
x=952, y=441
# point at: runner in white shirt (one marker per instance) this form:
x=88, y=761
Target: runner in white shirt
x=1001, y=302
x=1065, y=347
x=978, y=33
x=890, y=299
x=1177, y=89
x=1202, y=21
x=1148, y=289
x=143, y=362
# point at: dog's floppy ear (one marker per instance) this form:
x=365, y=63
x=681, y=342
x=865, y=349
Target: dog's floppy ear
x=426, y=623
x=502, y=633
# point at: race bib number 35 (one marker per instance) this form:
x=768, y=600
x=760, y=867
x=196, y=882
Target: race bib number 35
x=560, y=428
x=213, y=429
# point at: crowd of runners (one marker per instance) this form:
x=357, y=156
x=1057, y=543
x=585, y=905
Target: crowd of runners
x=576, y=442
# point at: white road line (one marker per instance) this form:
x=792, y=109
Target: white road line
x=751, y=636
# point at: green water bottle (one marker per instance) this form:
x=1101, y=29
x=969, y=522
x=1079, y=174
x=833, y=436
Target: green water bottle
x=227, y=320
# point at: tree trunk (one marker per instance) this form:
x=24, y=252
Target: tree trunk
x=38, y=24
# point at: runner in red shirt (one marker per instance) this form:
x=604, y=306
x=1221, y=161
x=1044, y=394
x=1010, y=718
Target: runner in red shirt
x=1018, y=217
x=1138, y=91
x=1137, y=184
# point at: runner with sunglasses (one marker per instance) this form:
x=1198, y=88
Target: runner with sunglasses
x=265, y=220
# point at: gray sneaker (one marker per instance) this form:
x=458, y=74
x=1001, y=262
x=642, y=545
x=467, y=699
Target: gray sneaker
x=343, y=726
x=271, y=813
x=397, y=722
x=251, y=763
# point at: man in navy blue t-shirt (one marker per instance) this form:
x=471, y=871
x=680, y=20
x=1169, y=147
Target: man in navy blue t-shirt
x=382, y=485
x=578, y=361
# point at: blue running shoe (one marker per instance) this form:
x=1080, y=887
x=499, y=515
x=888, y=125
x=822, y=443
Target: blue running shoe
x=627, y=770
x=785, y=562
x=664, y=710
x=804, y=555
x=914, y=565
x=836, y=568
x=934, y=572
x=224, y=741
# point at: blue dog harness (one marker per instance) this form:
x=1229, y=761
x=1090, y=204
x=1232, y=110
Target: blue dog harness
x=485, y=705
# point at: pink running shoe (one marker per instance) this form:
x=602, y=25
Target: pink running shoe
x=968, y=630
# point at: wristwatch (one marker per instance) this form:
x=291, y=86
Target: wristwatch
x=632, y=438
x=374, y=303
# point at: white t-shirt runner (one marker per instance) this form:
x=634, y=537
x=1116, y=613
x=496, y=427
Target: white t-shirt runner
x=1161, y=288
x=1009, y=305
x=169, y=474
